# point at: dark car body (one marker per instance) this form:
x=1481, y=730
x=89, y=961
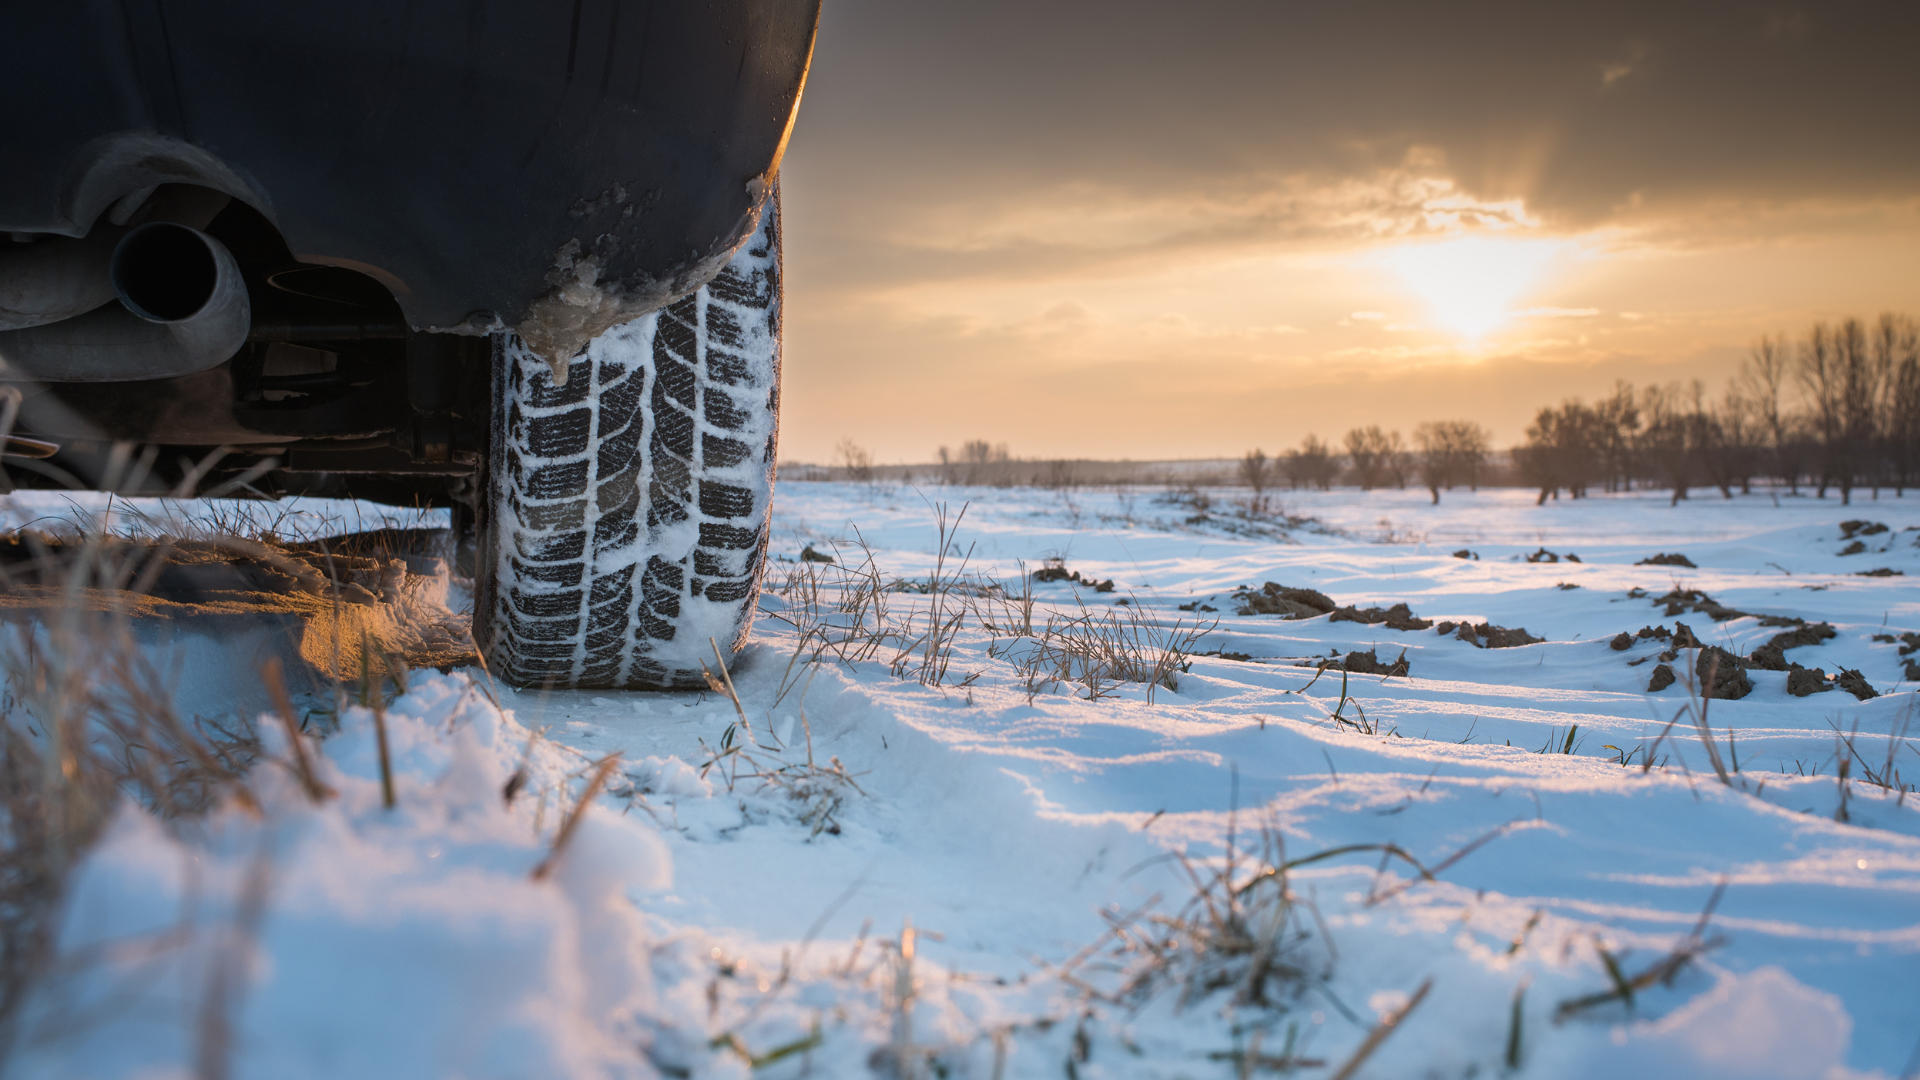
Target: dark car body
x=546, y=167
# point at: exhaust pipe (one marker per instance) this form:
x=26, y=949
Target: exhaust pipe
x=182, y=309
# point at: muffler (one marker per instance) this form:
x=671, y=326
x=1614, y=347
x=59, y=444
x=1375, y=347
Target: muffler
x=56, y=279
x=182, y=308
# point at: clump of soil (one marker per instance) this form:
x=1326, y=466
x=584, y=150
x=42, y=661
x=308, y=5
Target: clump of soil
x=1277, y=599
x=1855, y=683
x=1674, y=559
x=1854, y=548
x=1884, y=571
x=1912, y=643
x=1683, y=601
x=1851, y=529
x=808, y=554
x=1720, y=674
x=1397, y=617
x=1802, y=682
x=1463, y=553
x=1683, y=637
x=1662, y=678
x=1543, y=555
x=1239, y=657
x=1804, y=634
x=1056, y=570
x=1489, y=636
x=1365, y=663
x=1622, y=641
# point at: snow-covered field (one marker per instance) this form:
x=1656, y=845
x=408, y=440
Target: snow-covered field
x=988, y=874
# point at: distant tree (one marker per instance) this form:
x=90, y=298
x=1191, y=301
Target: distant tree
x=1256, y=471
x=1763, y=376
x=985, y=463
x=1310, y=465
x=1396, y=463
x=1614, y=430
x=1447, y=452
x=1734, y=438
x=1373, y=454
x=1843, y=386
x=856, y=464
x=1560, y=450
x=1900, y=339
x=1435, y=458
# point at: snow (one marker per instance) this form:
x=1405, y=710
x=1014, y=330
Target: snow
x=949, y=855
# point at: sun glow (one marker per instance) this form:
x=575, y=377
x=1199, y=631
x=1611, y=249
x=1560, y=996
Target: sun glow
x=1469, y=284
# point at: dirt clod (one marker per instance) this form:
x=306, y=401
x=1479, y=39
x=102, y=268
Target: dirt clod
x=1397, y=617
x=1804, y=634
x=1854, y=548
x=1855, y=683
x=1851, y=529
x=1720, y=674
x=1368, y=663
x=1276, y=599
x=1489, y=636
x=1622, y=642
x=1545, y=556
x=1662, y=678
x=1682, y=601
x=1057, y=571
x=1803, y=681
x=1666, y=559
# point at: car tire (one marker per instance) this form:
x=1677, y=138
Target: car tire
x=623, y=526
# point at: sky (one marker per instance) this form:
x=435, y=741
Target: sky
x=1173, y=230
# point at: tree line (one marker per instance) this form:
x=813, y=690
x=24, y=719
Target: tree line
x=1443, y=453
x=1838, y=408
x=1835, y=409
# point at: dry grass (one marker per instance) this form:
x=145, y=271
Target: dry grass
x=89, y=720
x=1662, y=971
x=1100, y=650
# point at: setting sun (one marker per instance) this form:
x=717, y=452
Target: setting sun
x=1468, y=285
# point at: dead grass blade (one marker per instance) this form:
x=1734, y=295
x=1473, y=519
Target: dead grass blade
x=1380, y=1032
x=602, y=769
x=270, y=674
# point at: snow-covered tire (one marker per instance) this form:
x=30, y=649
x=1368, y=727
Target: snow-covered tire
x=624, y=526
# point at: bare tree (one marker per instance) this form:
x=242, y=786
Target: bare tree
x=1311, y=464
x=986, y=463
x=1560, y=450
x=1450, y=452
x=1436, y=458
x=856, y=464
x=1614, y=430
x=1763, y=376
x=1373, y=454
x=1900, y=339
x=1256, y=471
x=1732, y=434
